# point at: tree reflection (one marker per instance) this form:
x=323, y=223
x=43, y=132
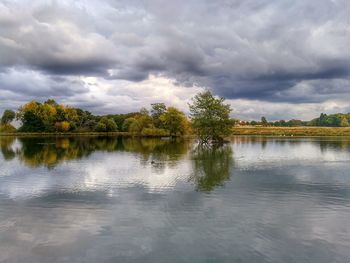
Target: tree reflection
x=339, y=144
x=6, y=147
x=49, y=152
x=160, y=153
x=211, y=166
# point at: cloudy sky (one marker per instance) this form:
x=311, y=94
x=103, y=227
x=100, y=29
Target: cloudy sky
x=278, y=58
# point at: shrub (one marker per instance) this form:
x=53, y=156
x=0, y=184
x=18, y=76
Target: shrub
x=154, y=132
x=7, y=128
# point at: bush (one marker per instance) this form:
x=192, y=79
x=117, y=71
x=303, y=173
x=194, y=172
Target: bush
x=62, y=126
x=7, y=128
x=154, y=132
x=106, y=125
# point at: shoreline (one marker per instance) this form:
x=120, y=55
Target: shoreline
x=236, y=131
x=62, y=134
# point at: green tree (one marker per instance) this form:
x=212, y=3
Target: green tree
x=127, y=123
x=106, y=125
x=8, y=116
x=144, y=120
x=210, y=117
x=174, y=121
x=344, y=122
x=156, y=112
x=31, y=122
x=264, y=121
x=85, y=120
x=135, y=127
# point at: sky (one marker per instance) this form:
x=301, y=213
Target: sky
x=281, y=59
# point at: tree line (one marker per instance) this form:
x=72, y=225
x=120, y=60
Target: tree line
x=51, y=116
x=324, y=120
x=209, y=119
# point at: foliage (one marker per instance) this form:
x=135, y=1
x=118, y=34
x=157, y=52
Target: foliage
x=291, y=131
x=7, y=128
x=135, y=127
x=119, y=119
x=46, y=117
x=210, y=117
x=8, y=116
x=158, y=109
x=333, y=120
x=85, y=120
x=139, y=122
x=31, y=122
x=174, y=121
x=344, y=122
x=154, y=132
x=62, y=126
x=106, y=125
x=127, y=123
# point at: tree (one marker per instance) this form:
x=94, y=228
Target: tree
x=62, y=126
x=210, y=117
x=106, y=125
x=144, y=111
x=135, y=127
x=344, y=122
x=8, y=116
x=85, y=120
x=264, y=121
x=31, y=122
x=322, y=119
x=174, y=121
x=157, y=110
x=46, y=115
x=127, y=123
x=144, y=120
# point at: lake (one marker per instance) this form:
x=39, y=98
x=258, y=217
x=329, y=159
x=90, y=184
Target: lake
x=108, y=199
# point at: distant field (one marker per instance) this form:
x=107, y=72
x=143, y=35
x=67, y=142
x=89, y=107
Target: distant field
x=292, y=131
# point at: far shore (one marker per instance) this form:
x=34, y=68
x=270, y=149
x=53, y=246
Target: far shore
x=242, y=130
x=291, y=131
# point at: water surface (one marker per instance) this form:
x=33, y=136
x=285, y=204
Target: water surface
x=111, y=199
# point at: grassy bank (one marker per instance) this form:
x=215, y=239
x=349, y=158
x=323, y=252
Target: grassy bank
x=291, y=131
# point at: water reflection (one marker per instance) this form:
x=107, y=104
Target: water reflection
x=6, y=148
x=132, y=200
x=49, y=152
x=211, y=166
x=159, y=152
x=342, y=144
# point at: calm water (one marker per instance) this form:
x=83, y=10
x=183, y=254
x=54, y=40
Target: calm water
x=128, y=200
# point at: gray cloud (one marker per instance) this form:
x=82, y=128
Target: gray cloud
x=273, y=51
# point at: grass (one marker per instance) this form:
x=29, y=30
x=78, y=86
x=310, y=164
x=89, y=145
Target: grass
x=291, y=131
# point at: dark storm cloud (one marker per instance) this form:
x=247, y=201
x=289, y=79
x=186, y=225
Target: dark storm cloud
x=31, y=84
x=277, y=51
